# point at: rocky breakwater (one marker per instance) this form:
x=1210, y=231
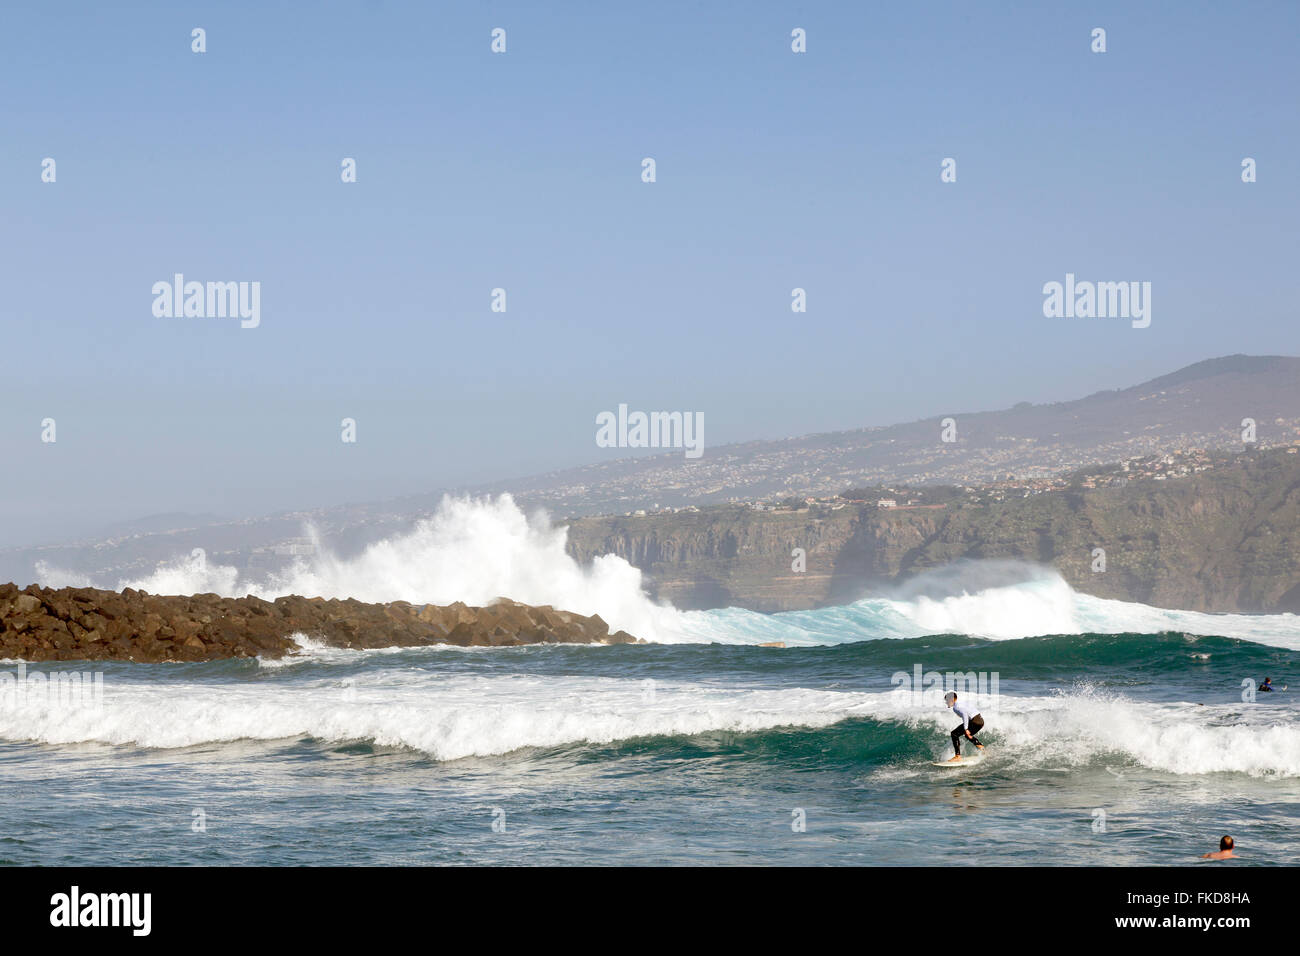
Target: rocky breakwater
x=64, y=624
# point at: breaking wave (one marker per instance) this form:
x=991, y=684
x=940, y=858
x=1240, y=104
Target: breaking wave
x=450, y=717
x=477, y=550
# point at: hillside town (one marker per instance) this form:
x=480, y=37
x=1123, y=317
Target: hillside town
x=1165, y=466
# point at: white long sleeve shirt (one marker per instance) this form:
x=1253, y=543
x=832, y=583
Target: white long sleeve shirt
x=965, y=710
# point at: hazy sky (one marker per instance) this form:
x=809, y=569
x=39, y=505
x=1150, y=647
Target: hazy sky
x=522, y=170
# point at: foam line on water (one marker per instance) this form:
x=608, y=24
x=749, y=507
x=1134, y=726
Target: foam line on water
x=452, y=716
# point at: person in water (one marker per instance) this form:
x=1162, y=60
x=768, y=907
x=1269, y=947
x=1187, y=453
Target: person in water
x=1226, y=847
x=971, y=724
x=1268, y=684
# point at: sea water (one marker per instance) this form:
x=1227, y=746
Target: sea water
x=1116, y=733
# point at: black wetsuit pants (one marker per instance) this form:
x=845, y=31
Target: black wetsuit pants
x=959, y=733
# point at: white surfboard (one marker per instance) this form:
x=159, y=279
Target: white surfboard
x=963, y=762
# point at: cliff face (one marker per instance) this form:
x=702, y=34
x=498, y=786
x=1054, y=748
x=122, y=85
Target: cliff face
x=42, y=624
x=1221, y=540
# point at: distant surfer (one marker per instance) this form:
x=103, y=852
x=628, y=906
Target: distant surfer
x=1226, y=847
x=1268, y=685
x=971, y=724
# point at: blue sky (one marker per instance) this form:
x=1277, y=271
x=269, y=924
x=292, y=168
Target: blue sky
x=475, y=171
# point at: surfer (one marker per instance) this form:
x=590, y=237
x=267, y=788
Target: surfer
x=1268, y=685
x=1225, y=850
x=971, y=724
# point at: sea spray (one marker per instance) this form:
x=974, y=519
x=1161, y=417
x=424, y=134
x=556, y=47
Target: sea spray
x=469, y=550
x=478, y=549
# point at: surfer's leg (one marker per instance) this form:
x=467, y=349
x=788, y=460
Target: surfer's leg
x=976, y=725
x=958, y=732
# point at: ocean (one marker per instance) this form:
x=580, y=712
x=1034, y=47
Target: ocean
x=1117, y=734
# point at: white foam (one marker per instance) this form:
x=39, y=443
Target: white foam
x=1042, y=603
x=1042, y=606
x=444, y=716
x=1178, y=738
x=1083, y=725
x=450, y=716
x=470, y=550
x=54, y=577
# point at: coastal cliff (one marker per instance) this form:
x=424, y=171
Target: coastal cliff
x=42, y=624
x=1224, y=539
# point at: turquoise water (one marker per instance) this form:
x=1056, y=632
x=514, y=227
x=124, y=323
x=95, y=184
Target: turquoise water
x=1118, y=749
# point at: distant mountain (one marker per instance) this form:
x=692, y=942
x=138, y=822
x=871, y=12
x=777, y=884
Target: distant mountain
x=1200, y=406
x=160, y=523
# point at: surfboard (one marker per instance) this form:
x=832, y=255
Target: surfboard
x=963, y=762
